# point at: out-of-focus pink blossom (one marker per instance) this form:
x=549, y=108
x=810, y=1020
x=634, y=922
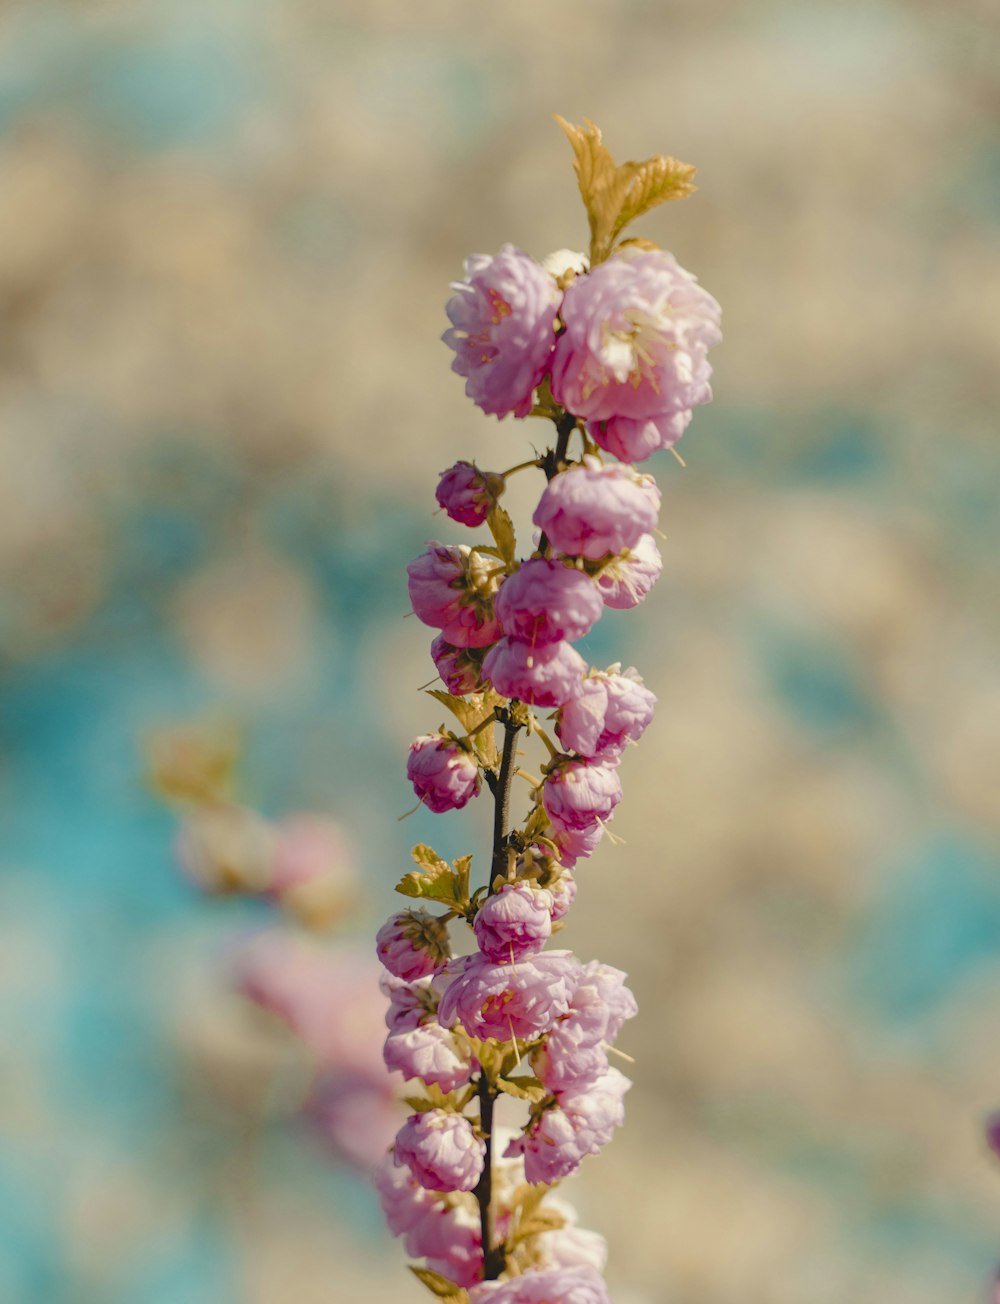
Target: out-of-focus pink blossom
x=429, y=1052
x=467, y=494
x=412, y=943
x=627, y=579
x=593, y=510
x=451, y=589
x=514, y=922
x=450, y=1238
x=570, y=1246
x=403, y=1200
x=633, y=359
x=577, y=794
x=546, y=601
x=504, y=1000
x=441, y=1150
x=541, y=676
x=227, y=848
x=444, y=774
x=460, y=667
x=355, y=1114
x=611, y=708
x=313, y=871
x=577, y=1285
x=502, y=329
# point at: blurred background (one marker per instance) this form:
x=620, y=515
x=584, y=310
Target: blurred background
x=227, y=229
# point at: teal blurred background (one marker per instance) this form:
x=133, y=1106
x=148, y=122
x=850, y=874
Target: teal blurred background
x=227, y=229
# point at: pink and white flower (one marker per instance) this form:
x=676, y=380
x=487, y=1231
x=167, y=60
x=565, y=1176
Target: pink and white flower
x=445, y=776
x=592, y=510
x=461, y=668
x=576, y=1285
x=504, y=1000
x=451, y=589
x=575, y=844
x=626, y=579
x=547, y=675
x=503, y=318
x=546, y=601
x=611, y=708
x=429, y=1052
x=513, y=923
x=633, y=359
x=441, y=1150
x=577, y=794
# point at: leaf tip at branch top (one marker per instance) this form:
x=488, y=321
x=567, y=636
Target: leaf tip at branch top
x=615, y=194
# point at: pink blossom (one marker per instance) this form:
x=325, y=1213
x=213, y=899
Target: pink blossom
x=451, y=589
x=592, y=510
x=634, y=355
x=459, y=667
x=502, y=329
x=633, y=440
x=563, y=893
x=354, y=1114
x=227, y=848
x=576, y=844
x=444, y=775
x=577, y=794
x=576, y=1285
x=627, y=578
x=309, y=847
x=441, y=1150
x=573, y=1054
x=992, y=1131
x=504, y=1000
x=514, y=922
x=403, y=1200
x=410, y=1003
x=467, y=494
x=611, y=708
x=555, y=1144
x=429, y=1052
x=541, y=676
x=570, y=1246
x=546, y=601
x=412, y=943
x=450, y=1237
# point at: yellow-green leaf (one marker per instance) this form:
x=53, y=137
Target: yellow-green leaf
x=615, y=195
x=440, y=1286
x=434, y=880
x=525, y=1088
x=502, y=529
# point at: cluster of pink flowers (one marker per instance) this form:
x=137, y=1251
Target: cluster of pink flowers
x=616, y=355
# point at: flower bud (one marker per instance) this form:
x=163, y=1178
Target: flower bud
x=468, y=494
x=429, y=1052
x=412, y=944
x=444, y=775
x=460, y=667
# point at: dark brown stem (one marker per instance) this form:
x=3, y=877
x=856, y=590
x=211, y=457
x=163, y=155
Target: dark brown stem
x=553, y=460
x=493, y=1255
x=501, y=810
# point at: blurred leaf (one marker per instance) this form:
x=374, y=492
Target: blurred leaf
x=440, y=1286
x=502, y=529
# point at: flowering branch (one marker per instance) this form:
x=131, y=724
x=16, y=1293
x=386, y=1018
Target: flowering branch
x=615, y=347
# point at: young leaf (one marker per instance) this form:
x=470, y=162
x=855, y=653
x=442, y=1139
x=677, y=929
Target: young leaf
x=502, y=529
x=441, y=1287
x=435, y=880
x=615, y=195
x=525, y=1088
x=467, y=711
x=463, y=866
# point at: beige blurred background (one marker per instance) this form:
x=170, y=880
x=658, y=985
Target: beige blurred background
x=227, y=229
